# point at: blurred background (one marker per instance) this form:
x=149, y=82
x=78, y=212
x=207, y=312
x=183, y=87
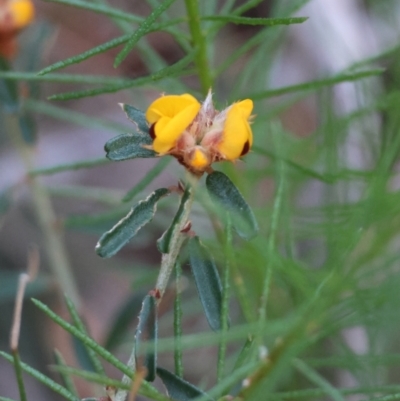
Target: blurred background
x=86, y=202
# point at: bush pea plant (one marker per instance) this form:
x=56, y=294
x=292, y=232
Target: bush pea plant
x=280, y=282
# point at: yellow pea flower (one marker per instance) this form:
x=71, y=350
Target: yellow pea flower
x=198, y=134
x=170, y=116
x=14, y=16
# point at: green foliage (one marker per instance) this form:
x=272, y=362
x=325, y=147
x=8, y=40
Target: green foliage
x=207, y=281
x=128, y=146
x=164, y=243
x=228, y=198
x=323, y=256
x=178, y=388
x=141, y=214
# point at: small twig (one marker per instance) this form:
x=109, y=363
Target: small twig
x=24, y=279
x=140, y=375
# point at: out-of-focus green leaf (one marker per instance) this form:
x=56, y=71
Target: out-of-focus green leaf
x=224, y=192
x=86, y=356
x=255, y=21
x=147, y=329
x=179, y=389
x=8, y=90
x=65, y=377
x=5, y=201
x=82, y=355
x=207, y=281
x=164, y=242
x=42, y=379
x=129, y=146
x=126, y=315
x=143, y=29
x=28, y=127
x=142, y=213
x=136, y=116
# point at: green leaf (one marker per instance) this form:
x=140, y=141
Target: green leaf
x=146, y=389
x=317, y=84
x=82, y=355
x=104, y=47
x=179, y=389
x=255, y=21
x=88, y=163
x=129, y=146
x=163, y=243
x=224, y=192
x=43, y=379
x=5, y=200
x=65, y=377
x=124, y=318
x=319, y=380
x=8, y=90
x=101, y=9
x=85, y=55
x=28, y=127
x=147, y=329
x=207, y=281
x=143, y=29
x=177, y=69
x=137, y=116
x=141, y=214
x=86, y=356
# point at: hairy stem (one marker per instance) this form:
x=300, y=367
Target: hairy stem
x=168, y=260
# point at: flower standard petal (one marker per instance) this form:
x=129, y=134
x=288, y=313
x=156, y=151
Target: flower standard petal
x=170, y=116
x=169, y=106
x=237, y=137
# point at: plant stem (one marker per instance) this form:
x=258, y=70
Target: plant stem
x=225, y=300
x=178, y=322
x=168, y=260
x=199, y=41
x=53, y=242
x=18, y=373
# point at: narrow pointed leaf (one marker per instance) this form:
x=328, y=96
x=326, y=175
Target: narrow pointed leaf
x=87, y=358
x=224, y=192
x=136, y=116
x=65, y=377
x=164, y=242
x=82, y=355
x=51, y=384
x=8, y=90
x=207, y=281
x=255, y=21
x=143, y=29
x=147, y=330
x=141, y=214
x=129, y=146
x=28, y=127
x=179, y=389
